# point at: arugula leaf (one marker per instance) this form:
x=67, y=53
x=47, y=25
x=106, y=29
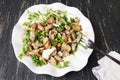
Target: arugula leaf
x=36, y=60
x=26, y=23
x=21, y=55
x=60, y=28
x=65, y=64
x=57, y=39
x=63, y=21
x=72, y=20
x=41, y=35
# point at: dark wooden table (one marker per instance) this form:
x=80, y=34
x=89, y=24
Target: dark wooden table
x=105, y=18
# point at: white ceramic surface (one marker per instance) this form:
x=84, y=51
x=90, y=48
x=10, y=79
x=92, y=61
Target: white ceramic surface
x=77, y=61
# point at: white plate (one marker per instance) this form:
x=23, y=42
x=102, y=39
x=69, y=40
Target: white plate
x=77, y=62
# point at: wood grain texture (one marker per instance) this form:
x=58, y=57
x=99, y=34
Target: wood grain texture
x=103, y=14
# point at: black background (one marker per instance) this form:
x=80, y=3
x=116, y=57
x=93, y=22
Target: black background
x=103, y=14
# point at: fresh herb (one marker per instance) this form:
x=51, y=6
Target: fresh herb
x=25, y=44
x=60, y=28
x=72, y=20
x=21, y=55
x=57, y=39
x=53, y=42
x=65, y=64
x=26, y=23
x=27, y=38
x=41, y=35
x=63, y=21
x=36, y=60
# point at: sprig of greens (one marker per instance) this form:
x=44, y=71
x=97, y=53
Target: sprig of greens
x=60, y=28
x=25, y=47
x=65, y=64
x=57, y=39
x=41, y=35
x=36, y=60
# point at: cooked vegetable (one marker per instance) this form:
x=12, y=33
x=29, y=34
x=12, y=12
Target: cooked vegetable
x=36, y=60
x=63, y=65
x=50, y=37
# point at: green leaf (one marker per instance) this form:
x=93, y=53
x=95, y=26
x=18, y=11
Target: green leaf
x=60, y=28
x=57, y=39
x=36, y=60
x=26, y=23
x=65, y=64
x=72, y=20
x=63, y=21
x=25, y=48
x=21, y=55
x=41, y=35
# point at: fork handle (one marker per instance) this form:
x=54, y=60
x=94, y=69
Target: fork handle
x=112, y=58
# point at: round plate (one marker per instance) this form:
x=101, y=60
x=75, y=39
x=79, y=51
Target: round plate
x=77, y=61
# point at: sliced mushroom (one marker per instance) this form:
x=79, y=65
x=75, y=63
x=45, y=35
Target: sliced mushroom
x=47, y=45
x=54, y=31
x=58, y=22
x=28, y=53
x=60, y=53
x=34, y=26
x=54, y=53
x=52, y=61
x=35, y=51
x=73, y=35
x=48, y=27
x=45, y=40
x=69, y=39
x=64, y=37
x=78, y=39
x=58, y=58
x=36, y=46
x=77, y=27
x=74, y=45
x=40, y=27
x=59, y=45
x=51, y=20
x=65, y=54
x=67, y=27
x=65, y=47
x=77, y=19
x=41, y=50
x=67, y=32
x=42, y=59
x=51, y=36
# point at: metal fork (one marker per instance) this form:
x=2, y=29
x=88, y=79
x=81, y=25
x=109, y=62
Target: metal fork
x=92, y=45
